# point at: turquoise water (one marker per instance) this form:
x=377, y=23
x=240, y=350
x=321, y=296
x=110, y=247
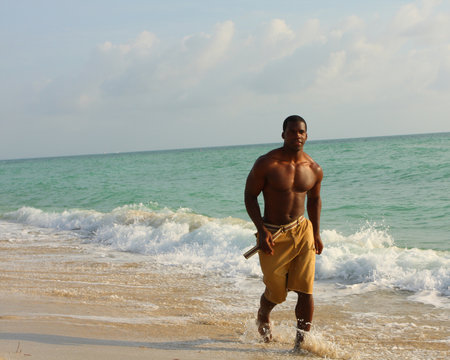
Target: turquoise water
x=385, y=217
x=398, y=184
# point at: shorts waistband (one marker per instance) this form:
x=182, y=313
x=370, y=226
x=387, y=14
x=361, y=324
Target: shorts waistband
x=279, y=229
x=286, y=227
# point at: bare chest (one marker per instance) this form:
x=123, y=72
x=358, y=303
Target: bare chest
x=290, y=177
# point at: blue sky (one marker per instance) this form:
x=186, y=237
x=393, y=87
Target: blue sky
x=115, y=76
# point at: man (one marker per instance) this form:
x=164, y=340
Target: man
x=287, y=241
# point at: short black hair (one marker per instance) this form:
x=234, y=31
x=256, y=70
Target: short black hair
x=294, y=118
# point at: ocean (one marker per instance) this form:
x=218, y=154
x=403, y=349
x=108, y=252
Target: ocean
x=385, y=220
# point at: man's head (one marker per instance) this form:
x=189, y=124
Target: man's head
x=294, y=133
x=293, y=118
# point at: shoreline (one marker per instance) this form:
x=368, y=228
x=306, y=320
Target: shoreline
x=47, y=328
x=60, y=298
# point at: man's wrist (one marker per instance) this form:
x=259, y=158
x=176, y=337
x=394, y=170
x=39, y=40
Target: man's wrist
x=261, y=228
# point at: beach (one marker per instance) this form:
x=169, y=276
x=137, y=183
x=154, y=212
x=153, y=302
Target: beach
x=146, y=147
x=139, y=255
x=78, y=301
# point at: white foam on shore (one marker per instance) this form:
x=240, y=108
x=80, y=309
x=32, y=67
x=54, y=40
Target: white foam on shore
x=161, y=320
x=365, y=261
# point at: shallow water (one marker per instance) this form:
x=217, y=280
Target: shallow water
x=123, y=291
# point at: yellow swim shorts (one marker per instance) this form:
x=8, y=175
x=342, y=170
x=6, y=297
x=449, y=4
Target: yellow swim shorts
x=293, y=264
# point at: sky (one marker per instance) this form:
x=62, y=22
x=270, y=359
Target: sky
x=89, y=77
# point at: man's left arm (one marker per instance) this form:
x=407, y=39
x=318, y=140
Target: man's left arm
x=314, y=207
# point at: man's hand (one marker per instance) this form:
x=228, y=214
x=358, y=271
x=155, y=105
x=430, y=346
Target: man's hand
x=265, y=241
x=318, y=244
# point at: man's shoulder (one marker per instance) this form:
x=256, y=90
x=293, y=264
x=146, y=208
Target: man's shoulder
x=267, y=161
x=310, y=160
x=270, y=157
x=314, y=165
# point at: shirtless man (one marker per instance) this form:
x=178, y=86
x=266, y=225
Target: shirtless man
x=287, y=241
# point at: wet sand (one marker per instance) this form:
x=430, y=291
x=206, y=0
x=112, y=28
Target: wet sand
x=66, y=300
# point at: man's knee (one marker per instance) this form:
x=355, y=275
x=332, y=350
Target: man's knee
x=266, y=303
x=275, y=297
x=304, y=297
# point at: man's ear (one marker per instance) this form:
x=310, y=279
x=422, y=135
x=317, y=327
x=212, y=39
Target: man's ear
x=282, y=135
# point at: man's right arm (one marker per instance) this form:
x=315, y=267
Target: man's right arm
x=254, y=186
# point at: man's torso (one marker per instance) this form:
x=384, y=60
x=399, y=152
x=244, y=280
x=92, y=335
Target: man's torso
x=286, y=186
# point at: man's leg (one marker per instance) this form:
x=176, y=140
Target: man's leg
x=304, y=313
x=263, y=320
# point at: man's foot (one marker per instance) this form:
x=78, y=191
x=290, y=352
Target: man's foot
x=299, y=337
x=264, y=330
x=263, y=321
x=263, y=324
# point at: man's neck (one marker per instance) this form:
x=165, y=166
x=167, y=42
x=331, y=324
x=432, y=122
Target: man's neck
x=291, y=154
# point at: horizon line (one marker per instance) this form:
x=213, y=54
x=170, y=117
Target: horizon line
x=214, y=146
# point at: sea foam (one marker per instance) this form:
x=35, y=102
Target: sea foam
x=363, y=261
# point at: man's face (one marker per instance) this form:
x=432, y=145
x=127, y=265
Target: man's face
x=295, y=135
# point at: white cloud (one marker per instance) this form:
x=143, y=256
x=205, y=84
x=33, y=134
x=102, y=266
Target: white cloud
x=345, y=58
x=280, y=41
x=333, y=69
x=422, y=23
x=217, y=47
x=278, y=31
x=141, y=45
x=351, y=24
x=228, y=75
x=409, y=16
